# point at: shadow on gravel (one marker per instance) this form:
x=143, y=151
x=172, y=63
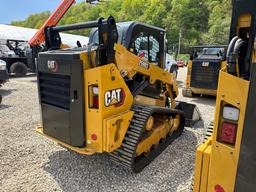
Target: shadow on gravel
x=74, y=172
x=4, y=106
x=28, y=75
x=205, y=100
x=6, y=92
x=34, y=81
x=198, y=125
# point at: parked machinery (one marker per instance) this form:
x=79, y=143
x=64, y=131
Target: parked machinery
x=112, y=95
x=227, y=160
x=203, y=70
x=171, y=65
x=38, y=40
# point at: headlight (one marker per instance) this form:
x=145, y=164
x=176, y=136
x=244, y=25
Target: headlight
x=2, y=66
x=230, y=113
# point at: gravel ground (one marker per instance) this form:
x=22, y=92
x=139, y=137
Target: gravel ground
x=30, y=162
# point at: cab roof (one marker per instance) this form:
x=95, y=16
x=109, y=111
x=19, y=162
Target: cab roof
x=125, y=30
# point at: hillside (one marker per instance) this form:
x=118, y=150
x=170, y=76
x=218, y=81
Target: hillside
x=200, y=22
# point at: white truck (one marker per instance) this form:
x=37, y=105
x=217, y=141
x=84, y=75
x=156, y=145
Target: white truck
x=171, y=65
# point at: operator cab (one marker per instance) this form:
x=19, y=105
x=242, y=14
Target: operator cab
x=145, y=41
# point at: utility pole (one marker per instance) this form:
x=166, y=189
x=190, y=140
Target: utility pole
x=179, y=43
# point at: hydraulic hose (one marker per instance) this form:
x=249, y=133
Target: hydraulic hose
x=238, y=45
x=231, y=45
x=231, y=55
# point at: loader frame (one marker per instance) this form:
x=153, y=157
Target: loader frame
x=229, y=165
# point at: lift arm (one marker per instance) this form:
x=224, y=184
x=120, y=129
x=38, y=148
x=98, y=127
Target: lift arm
x=130, y=64
x=53, y=20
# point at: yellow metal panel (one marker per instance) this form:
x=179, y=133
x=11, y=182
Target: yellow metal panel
x=84, y=58
x=189, y=69
x=223, y=64
x=205, y=169
x=93, y=117
x=115, y=129
x=198, y=167
x=108, y=73
x=107, y=78
x=244, y=21
x=139, y=99
x=84, y=151
x=202, y=165
x=224, y=158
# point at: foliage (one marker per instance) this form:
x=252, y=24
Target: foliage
x=200, y=22
x=219, y=22
x=184, y=57
x=33, y=21
x=188, y=17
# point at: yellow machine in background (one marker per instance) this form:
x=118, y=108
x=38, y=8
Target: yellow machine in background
x=112, y=96
x=226, y=162
x=203, y=70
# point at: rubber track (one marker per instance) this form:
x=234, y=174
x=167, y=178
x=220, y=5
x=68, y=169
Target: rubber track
x=125, y=155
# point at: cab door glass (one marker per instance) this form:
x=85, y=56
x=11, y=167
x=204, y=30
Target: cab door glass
x=141, y=46
x=154, y=50
x=146, y=47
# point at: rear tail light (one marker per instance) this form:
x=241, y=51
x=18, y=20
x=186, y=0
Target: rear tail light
x=228, y=129
x=94, y=96
x=219, y=188
x=228, y=133
x=230, y=113
x=96, y=101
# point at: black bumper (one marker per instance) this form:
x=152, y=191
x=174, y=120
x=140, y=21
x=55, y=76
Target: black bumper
x=3, y=76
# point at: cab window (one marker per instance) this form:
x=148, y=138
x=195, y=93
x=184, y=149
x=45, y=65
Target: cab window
x=146, y=46
x=141, y=46
x=153, y=49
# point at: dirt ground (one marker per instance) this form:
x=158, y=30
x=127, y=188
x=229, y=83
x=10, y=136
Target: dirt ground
x=30, y=162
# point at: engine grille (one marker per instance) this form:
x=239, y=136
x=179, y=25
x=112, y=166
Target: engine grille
x=205, y=77
x=55, y=90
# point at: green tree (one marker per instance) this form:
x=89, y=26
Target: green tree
x=133, y=9
x=155, y=13
x=219, y=22
x=33, y=21
x=200, y=22
x=190, y=17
